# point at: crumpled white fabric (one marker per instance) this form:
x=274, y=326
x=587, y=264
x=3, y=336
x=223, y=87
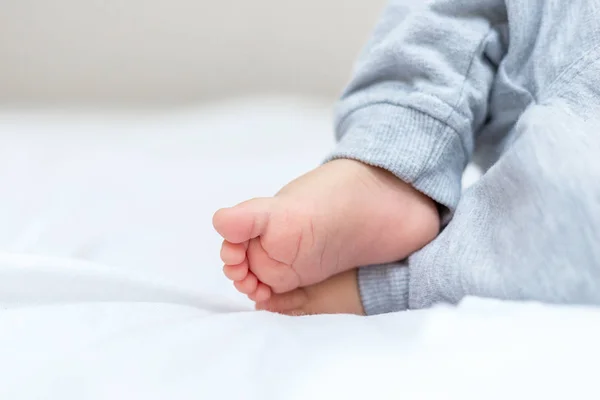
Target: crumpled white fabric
x=110, y=283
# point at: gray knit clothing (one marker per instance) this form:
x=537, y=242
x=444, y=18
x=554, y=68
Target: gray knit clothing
x=514, y=86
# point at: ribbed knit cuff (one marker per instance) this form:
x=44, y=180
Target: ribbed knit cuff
x=417, y=148
x=384, y=288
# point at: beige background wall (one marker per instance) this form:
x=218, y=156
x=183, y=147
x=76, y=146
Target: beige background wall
x=173, y=51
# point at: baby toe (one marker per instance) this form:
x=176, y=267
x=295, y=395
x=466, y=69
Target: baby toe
x=243, y=222
x=236, y=272
x=233, y=253
x=247, y=285
x=262, y=293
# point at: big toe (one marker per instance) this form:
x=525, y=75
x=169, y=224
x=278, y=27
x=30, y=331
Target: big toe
x=243, y=222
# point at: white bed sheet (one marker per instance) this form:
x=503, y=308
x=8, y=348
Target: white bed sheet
x=111, y=286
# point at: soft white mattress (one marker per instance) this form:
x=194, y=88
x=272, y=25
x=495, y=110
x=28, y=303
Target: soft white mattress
x=111, y=285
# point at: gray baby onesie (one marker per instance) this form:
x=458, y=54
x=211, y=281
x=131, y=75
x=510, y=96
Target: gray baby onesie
x=513, y=85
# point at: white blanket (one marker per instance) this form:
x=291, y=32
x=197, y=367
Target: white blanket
x=111, y=286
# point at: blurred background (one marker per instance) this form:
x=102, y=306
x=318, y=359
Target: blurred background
x=164, y=53
x=124, y=124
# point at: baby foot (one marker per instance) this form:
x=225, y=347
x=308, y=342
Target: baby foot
x=339, y=216
x=336, y=295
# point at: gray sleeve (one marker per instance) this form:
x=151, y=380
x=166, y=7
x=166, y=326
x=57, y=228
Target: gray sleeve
x=384, y=288
x=420, y=91
x=418, y=96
